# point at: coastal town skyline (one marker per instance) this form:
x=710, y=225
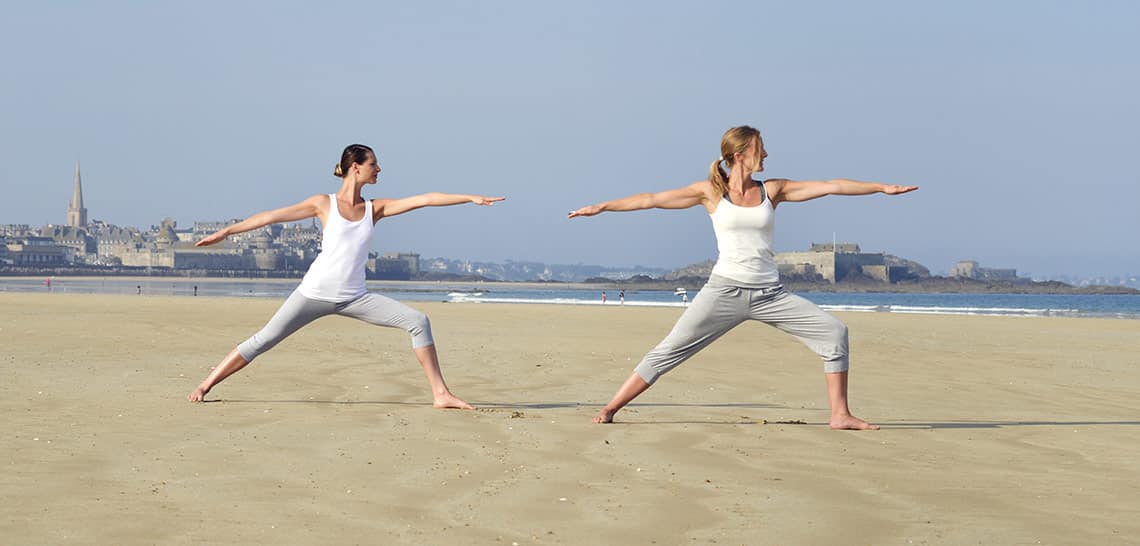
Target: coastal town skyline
x=293, y=245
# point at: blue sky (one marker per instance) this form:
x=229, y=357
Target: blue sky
x=1018, y=119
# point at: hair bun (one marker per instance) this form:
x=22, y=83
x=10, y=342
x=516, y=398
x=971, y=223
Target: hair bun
x=338, y=171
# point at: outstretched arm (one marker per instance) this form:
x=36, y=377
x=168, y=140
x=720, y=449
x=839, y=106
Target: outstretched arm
x=382, y=208
x=305, y=209
x=805, y=190
x=681, y=198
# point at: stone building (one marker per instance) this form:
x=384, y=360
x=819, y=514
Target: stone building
x=413, y=260
x=37, y=252
x=834, y=262
x=845, y=248
x=205, y=228
x=15, y=230
x=394, y=266
x=211, y=258
x=969, y=269
x=111, y=241
x=77, y=239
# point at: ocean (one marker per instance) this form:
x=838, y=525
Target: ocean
x=1027, y=305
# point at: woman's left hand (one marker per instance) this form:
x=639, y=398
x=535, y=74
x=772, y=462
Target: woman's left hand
x=895, y=189
x=487, y=201
x=212, y=238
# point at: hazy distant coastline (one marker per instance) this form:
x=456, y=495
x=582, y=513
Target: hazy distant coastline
x=929, y=285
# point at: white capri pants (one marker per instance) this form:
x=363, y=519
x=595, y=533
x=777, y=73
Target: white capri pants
x=720, y=306
x=298, y=311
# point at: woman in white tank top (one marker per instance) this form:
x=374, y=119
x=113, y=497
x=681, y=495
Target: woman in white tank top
x=744, y=284
x=334, y=283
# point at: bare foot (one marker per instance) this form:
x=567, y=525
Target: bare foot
x=449, y=400
x=604, y=416
x=198, y=394
x=850, y=422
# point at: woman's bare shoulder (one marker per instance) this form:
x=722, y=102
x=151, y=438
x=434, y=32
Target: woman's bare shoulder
x=705, y=187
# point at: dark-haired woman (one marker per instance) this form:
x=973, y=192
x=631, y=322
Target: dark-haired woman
x=745, y=283
x=334, y=284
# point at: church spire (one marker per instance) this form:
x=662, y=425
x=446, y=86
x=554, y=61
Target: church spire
x=76, y=214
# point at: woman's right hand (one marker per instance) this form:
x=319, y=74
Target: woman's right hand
x=585, y=211
x=215, y=237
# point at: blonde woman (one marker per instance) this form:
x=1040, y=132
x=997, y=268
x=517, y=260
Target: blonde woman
x=745, y=283
x=334, y=284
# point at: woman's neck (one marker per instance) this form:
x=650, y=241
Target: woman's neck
x=739, y=182
x=349, y=191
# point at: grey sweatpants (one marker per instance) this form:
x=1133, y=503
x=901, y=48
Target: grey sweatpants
x=298, y=311
x=720, y=307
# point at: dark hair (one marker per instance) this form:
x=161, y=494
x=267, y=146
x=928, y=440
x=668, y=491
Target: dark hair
x=353, y=153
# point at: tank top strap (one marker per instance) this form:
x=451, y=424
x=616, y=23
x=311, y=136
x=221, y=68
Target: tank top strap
x=333, y=211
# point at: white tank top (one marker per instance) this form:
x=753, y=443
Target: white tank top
x=337, y=275
x=745, y=237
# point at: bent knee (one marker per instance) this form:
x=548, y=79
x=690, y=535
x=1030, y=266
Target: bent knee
x=418, y=323
x=419, y=326
x=833, y=346
x=835, y=330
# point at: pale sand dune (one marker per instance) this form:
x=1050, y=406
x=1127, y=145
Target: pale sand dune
x=995, y=431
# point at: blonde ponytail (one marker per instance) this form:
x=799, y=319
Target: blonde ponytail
x=718, y=177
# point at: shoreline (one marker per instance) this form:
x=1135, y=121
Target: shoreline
x=415, y=293
x=297, y=280
x=935, y=287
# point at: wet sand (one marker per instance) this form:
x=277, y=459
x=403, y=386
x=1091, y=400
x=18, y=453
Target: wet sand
x=996, y=430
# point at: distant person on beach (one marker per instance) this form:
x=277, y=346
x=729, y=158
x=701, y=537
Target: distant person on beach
x=621, y=297
x=603, y=296
x=745, y=283
x=334, y=284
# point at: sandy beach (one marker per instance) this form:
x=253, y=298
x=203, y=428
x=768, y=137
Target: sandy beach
x=996, y=430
